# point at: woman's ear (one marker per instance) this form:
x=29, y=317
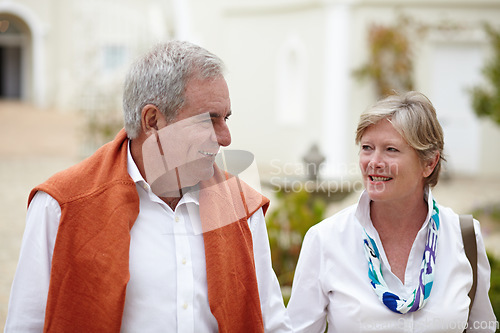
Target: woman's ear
x=150, y=116
x=430, y=164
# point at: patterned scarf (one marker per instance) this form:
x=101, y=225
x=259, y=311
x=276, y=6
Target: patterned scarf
x=423, y=290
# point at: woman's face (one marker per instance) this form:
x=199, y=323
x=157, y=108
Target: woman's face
x=390, y=168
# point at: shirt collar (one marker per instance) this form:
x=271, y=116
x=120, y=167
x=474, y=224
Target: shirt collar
x=132, y=168
x=135, y=174
x=363, y=209
x=430, y=204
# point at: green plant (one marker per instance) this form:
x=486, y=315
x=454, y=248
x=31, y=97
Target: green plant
x=103, y=117
x=486, y=98
x=390, y=63
x=287, y=225
x=390, y=53
x=495, y=284
x=489, y=216
x=103, y=127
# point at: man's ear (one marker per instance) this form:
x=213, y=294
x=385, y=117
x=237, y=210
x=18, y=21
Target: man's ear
x=150, y=115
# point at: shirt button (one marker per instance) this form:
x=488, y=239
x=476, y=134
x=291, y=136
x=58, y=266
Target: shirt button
x=177, y=219
x=184, y=261
x=185, y=306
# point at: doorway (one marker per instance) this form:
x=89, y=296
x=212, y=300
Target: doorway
x=10, y=72
x=14, y=43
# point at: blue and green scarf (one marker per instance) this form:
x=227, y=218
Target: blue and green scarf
x=421, y=294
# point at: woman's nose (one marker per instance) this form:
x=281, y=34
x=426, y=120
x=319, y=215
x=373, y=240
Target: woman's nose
x=376, y=161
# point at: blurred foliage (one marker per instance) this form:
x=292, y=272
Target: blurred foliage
x=486, y=98
x=495, y=285
x=103, y=127
x=391, y=51
x=103, y=116
x=287, y=225
x=489, y=215
x=390, y=64
x=491, y=212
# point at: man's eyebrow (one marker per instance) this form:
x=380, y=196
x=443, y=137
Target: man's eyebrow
x=218, y=115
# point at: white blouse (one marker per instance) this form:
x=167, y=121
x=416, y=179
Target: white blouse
x=331, y=279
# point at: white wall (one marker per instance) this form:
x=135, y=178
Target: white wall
x=320, y=41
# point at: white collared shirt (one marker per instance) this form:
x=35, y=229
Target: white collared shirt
x=331, y=279
x=167, y=291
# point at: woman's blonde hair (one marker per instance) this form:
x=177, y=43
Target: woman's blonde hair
x=414, y=117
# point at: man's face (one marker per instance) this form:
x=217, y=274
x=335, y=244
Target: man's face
x=190, y=142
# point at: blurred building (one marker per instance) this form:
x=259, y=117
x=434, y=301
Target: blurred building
x=290, y=66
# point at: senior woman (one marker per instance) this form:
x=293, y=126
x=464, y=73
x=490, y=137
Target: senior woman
x=361, y=270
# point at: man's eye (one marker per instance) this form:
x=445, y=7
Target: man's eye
x=366, y=147
x=205, y=123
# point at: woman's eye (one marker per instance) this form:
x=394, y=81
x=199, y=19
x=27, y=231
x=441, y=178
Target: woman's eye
x=392, y=149
x=366, y=147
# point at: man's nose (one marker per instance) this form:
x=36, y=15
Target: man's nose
x=223, y=136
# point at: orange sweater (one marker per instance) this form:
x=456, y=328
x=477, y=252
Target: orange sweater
x=99, y=205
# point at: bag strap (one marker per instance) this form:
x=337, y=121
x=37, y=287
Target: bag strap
x=470, y=246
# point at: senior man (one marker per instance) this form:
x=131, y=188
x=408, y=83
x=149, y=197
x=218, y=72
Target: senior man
x=148, y=234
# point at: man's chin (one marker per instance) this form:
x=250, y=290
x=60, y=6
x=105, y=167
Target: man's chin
x=165, y=186
x=192, y=176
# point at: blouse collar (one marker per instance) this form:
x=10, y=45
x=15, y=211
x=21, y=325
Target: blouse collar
x=362, y=213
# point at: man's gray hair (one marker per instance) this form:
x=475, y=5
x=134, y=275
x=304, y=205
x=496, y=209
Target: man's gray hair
x=160, y=78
